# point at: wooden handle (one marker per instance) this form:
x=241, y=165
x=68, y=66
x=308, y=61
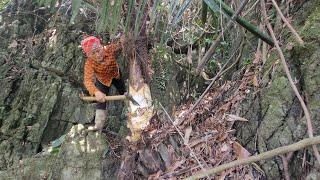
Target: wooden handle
x=108, y=98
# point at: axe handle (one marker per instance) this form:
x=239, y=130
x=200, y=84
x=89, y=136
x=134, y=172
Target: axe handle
x=108, y=98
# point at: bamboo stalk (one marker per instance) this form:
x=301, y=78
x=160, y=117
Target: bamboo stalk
x=266, y=155
x=247, y=25
x=217, y=42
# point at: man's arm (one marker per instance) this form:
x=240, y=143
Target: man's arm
x=89, y=78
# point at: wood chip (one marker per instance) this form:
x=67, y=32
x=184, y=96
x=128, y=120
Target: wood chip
x=187, y=135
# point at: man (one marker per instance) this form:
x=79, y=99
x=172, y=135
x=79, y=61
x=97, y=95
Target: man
x=100, y=72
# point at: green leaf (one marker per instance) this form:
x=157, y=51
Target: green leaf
x=213, y=6
x=204, y=13
x=103, y=16
x=183, y=8
x=139, y=18
x=89, y=6
x=55, y=150
x=129, y=14
x=58, y=142
x=52, y=5
x=76, y=4
x=105, y=152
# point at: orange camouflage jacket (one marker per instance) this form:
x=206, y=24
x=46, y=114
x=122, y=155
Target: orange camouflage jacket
x=103, y=72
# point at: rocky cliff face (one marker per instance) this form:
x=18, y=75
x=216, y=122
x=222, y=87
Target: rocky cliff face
x=41, y=77
x=78, y=158
x=275, y=115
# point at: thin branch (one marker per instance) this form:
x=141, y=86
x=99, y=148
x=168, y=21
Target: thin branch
x=213, y=47
x=294, y=32
x=285, y=167
x=285, y=160
x=246, y=24
x=250, y=9
x=293, y=86
x=181, y=135
x=219, y=74
x=266, y=155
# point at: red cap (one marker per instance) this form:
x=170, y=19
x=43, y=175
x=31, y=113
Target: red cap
x=89, y=43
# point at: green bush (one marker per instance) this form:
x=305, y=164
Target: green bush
x=3, y=4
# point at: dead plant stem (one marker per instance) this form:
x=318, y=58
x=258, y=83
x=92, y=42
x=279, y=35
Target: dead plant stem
x=180, y=133
x=266, y=155
x=285, y=167
x=216, y=43
x=294, y=32
x=219, y=74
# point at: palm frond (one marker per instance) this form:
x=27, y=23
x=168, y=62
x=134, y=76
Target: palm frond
x=76, y=4
x=204, y=13
x=129, y=16
x=139, y=17
x=183, y=8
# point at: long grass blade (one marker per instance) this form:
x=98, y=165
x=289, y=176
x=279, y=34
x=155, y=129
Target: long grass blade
x=76, y=4
x=139, y=18
x=129, y=16
x=183, y=8
x=204, y=13
x=101, y=24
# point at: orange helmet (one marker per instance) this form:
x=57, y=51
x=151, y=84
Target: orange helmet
x=89, y=43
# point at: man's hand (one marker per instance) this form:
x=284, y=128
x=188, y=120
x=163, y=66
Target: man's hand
x=100, y=96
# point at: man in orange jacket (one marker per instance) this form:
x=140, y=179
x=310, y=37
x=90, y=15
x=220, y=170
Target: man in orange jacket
x=101, y=70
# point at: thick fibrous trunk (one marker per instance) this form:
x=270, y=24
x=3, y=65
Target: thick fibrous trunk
x=139, y=77
x=139, y=115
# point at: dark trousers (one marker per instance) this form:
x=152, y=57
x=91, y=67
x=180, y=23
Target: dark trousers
x=118, y=83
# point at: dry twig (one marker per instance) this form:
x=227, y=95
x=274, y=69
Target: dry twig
x=266, y=155
x=178, y=121
x=294, y=32
x=285, y=167
x=215, y=44
x=181, y=135
x=293, y=86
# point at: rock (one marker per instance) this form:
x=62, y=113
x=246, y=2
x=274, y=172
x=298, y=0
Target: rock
x=79, y=158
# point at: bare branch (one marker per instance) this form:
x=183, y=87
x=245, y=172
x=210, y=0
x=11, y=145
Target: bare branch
x=285, y=167
x=178, y=121
x=294, y=32
x=266, y=155
x=181, y=135
x=215, y=44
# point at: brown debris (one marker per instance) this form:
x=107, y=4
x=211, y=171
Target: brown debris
x=211, y=139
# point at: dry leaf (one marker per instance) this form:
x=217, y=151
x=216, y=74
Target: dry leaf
x=240, y=151
x=175, y=165
x=13, y=44
x=255, y=81
x=224, y=148
x=189, y=55
x=236, y=118
x=187, y=135
x=155, y=176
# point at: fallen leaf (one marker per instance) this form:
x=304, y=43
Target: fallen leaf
x=240, y=151
x=255, y=81
x=187, y=135
x=13, y=44
x=224, y=148
x=236, y=118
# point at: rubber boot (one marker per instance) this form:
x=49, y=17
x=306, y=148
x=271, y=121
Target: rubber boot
x=100, y=120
